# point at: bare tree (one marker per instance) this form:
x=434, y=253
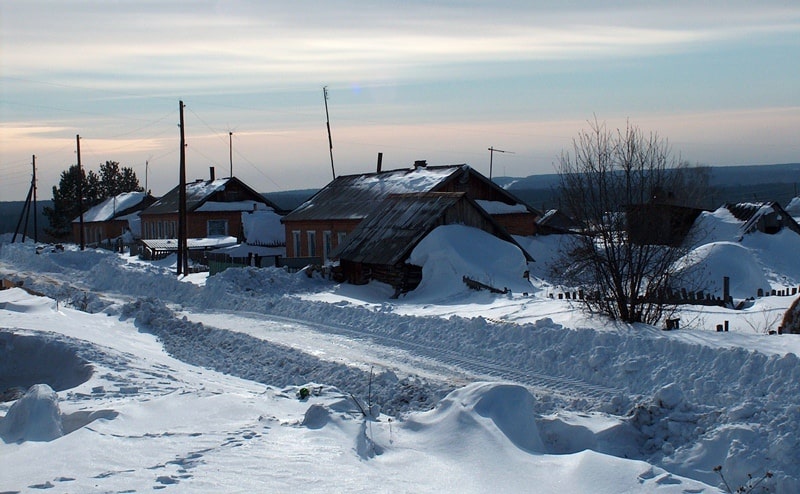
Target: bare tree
x=609, y=176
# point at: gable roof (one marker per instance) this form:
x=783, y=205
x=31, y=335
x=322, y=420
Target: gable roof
x=354, y=197
x=401, y=221
x=750, y=213
x=116, y=207
x=557, y=221
x=201, y=191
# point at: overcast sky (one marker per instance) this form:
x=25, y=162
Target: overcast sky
x=435, y=80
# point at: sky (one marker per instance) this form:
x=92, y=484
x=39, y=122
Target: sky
x=441, y=81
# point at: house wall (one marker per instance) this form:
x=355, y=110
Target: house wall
x=98, y=231
x=166, y=225
x=517, y=223
x=514, y=223
x=335, y=227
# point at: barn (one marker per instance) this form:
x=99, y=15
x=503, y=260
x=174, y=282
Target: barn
x=378, y=248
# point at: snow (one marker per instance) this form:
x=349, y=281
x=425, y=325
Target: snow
x=231, y=206
x=793, y=208
x=498, y=207
x=107, y=209
x=263, y=227
x=193, y=383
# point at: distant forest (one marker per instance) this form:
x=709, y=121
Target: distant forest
x=747, y=183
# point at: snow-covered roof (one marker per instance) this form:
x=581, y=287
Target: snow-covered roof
x=498, y=207
x=233, y=206
x=113, y=206
x=171, y=244
x=355, y=196
x=200, y=192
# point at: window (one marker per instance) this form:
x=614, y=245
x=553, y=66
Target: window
x=340, y=236
x=327, y=238
x=312, y=243
x=296, y=243
x=217, y=228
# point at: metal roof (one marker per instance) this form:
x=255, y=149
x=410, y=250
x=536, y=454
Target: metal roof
x=400, y=222
x=353, y=197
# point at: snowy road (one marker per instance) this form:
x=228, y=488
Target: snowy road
x=355, y=347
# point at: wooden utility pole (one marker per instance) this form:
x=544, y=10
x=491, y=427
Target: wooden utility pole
x=80, y=192
x=328, y=124
x=230, y=150
x=35, y=210
x=493, y=150
x=183, y=261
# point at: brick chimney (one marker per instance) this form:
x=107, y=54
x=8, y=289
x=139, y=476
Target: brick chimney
x=211, y=173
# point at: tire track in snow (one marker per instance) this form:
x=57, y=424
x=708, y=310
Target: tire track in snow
x=477, y=367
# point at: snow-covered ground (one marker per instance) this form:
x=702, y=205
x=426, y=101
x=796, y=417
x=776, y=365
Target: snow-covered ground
x=194, y=384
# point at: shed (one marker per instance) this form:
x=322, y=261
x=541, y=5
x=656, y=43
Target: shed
x=379, y=247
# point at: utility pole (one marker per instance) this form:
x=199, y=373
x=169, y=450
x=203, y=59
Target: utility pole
x=183, y=261
x=328, y=124
x=493, y=150
x=80, y=192
x=146, y=170
x=35, y=210
x=230, y=150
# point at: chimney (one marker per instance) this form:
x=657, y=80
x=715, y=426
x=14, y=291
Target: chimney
x=420, y=164
x=211, y=173
x=380, y=161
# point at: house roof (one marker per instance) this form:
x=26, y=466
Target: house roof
x=557, y=220
x=750, y=213
x=171, y=244
x=202, y=191
x=354, y=197
x=400, y=222
x=115, y=207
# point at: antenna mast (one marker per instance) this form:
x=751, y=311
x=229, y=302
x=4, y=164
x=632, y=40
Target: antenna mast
x=230, y=150
x=80, y=191
x=328, y=124
x=493, y=150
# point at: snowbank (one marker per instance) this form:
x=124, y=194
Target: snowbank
x=451, y=252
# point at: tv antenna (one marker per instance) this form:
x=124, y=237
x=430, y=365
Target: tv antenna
x=328, y=124
x=493, y=150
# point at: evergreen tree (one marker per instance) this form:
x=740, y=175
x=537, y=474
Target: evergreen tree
x=65, y=203
x=111, y=181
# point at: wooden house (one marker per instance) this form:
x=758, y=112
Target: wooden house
x=320, y=225
x=113, y=218
x=214, y=208
x=379, y=247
